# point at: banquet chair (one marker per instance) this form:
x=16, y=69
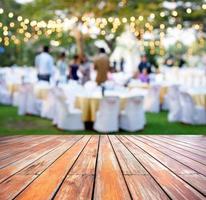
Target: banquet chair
x=71, y=91
x=132, y=118
x=5, y=96
x=48, y=106
x=90, y=86
x=191, y=114
x=21, y=99
x=68, y=119
x=58, y=93
x=152, y=100
x=173, y=98
x=107, y=117
x=33, y=104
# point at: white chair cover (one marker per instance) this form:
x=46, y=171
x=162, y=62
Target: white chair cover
x=33, y=105
x=48, y=106
x=67, y=119
x=107, y=116
x=191, y=114
x=173, y=98
x=133, y=117
x=5, y=96
x=152, y=100
x=21, y=100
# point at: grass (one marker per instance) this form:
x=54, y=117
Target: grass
x=12, y=124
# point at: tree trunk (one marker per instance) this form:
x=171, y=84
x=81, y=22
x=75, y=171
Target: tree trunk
x=80, y=43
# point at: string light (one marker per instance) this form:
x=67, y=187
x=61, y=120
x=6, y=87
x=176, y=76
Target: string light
x=12, y=24
x=132, y=19
x=141, y=18
x=10, y=15
x=162, y=14
x=174, y=13
x=19, y=18
x=189, y=10
x=58, y=25
x=1, y=10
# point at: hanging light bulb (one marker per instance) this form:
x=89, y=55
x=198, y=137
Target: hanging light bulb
x=189, y=10
x=1, y=10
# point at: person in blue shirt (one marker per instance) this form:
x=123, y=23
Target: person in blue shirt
x=144, y=64
x=73, y=68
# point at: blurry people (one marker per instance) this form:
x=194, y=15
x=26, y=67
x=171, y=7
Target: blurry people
x=85, y=69
x=144, y=64
x=62, y=67
x=115, y=64
x=169, y=62
x=144, y=77
x=73, y=68
x=36, y=60
x=181, y=62
x=101, y=65
x=45, y=65
x=62, y=64
x=122, y=62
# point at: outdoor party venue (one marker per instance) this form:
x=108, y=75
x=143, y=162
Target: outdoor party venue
x=103, y=99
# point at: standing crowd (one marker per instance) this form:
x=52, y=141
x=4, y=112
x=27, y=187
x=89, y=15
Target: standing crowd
x=78, y=69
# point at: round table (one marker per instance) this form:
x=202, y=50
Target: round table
x=199, y=96
x=90, y=105
x=13, y=87
x=41, y=93
x=163, y=90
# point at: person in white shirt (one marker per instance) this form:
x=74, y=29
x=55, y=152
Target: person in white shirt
x=62, y=65
x=45, y=65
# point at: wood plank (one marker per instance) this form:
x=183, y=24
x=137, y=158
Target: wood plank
x=4, y=139
x=80, y=180
x=180, y=146
x=77, y=187
x=13, y=146
x=199, y=140
x=196, y=166
x=182, y=171
x=13, y=156
x=18, y=182
x=109, y=182
x=191, y=145
x=139, y=181
x=43, y=188
x=42, y=150
x=190, y=142
x=172, y=185
x=200, y=159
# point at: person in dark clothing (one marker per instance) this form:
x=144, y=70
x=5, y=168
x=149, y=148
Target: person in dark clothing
x=169, y=62
x=122, y=62
x=144, y=64
x=73, y=68
x=181, y=62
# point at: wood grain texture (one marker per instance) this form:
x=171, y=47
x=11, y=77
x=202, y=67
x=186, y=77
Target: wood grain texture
x=103, y=167
x=183, y=171
x=19, y=181
x=139, y=181
x=200, y=168
x=109, y=183
x=47, y=184
x=172, y=185
x=79, y=182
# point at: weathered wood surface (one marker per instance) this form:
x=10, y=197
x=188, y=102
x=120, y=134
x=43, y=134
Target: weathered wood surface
x=103, y=167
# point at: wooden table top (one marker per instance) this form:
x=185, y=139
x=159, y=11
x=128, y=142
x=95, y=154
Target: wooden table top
x=103, y=167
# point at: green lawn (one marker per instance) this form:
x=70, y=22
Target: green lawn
x=12, y=124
